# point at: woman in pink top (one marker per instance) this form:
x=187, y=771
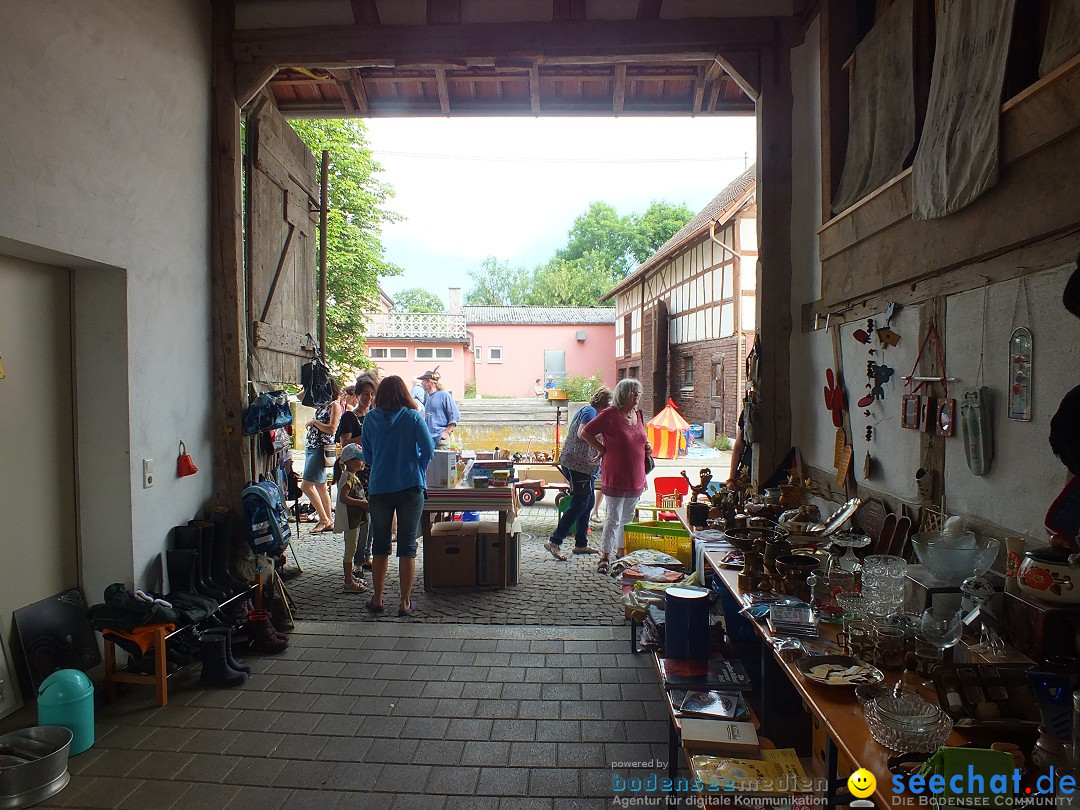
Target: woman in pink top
x=623, y=449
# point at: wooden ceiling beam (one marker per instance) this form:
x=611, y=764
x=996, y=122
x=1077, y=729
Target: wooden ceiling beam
x=699, y=91
x=250, y=79
x=444, y=90
x=534, y=89
x=568, y=9
x=583, y=42
x=649, y=9
x=444, y=12
x=365, y=12
x=618, y=96
x=359, y=91
x=744, y=68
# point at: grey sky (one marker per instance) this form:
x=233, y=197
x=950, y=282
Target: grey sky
x=511, y=187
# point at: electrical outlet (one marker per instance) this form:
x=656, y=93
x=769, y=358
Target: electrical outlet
x=147, y=473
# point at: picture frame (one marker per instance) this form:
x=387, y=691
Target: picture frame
x=10, y=694
x=910, y=411
x=929, y=415
x=945, y=424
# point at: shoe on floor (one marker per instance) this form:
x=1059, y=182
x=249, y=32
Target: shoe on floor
x=586, y=550
x=555, y=551
x=596, y=519
x=370, y=605
x=409, y=611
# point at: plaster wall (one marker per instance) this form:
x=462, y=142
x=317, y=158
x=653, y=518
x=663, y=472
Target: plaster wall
x=523, y=354
x=105, y=170
x=452, y=371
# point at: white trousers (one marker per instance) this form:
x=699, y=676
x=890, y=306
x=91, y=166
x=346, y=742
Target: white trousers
x=619, y=512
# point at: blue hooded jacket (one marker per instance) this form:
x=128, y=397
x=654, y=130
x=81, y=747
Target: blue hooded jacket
x=398, y=448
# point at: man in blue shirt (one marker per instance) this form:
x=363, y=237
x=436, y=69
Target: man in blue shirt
x=440, y=411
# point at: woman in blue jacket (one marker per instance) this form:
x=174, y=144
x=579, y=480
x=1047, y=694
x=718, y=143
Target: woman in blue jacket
x=397, y=447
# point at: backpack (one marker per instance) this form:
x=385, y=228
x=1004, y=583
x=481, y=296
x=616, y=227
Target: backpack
x=266, y=520
x=315, y=380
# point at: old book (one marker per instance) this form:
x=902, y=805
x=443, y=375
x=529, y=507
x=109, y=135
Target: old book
x=716, y=673
x=710, y=704
x=720, y=736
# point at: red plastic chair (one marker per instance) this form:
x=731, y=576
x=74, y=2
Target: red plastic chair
x=670, y=491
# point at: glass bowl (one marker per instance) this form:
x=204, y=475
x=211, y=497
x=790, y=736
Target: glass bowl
x=924, y=740
x=953, y=557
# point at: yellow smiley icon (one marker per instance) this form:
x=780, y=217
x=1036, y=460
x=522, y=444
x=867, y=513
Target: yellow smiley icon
x=861, y=783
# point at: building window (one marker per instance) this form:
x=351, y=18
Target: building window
x=388, y=354
x=478, y=354
x=627, y=331
x=688, y=371
x=494, y=354
x=433, y=354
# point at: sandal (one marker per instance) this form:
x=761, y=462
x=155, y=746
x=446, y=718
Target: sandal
x=602, y=567
x=370, y=605
x=409, y=611
x=324, y=530
x=359, y=587
x=555, y=551
x=586, y=550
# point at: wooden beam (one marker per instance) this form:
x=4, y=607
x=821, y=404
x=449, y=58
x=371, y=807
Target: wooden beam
x=444, y=12
x=568, y=9
x=356, y=84
x=838, y=40
x=699, y=91
x=581, y=41
x=774, y=198
x=444, y=90
x=618, y=100
x=250, y=79
x=649, y=9
x=232, y=452
x=365, y=12
x=534, y=89
x=744, y=68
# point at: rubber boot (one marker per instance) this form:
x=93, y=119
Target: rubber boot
x=180, y=564
x=186, y=538
x=215, y=668
x=221, y=558
x=264, y=638
x=229, y=659
x=259, y=615
x=206, y=558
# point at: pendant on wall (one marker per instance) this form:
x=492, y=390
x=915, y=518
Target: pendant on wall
x=1020, y=369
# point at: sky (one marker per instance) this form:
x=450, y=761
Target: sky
x=511, y=187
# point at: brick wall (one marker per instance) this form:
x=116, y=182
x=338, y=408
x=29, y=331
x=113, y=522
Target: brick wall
x=699, y=406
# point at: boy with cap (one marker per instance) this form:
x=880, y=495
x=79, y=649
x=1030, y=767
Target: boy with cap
x=440, y=411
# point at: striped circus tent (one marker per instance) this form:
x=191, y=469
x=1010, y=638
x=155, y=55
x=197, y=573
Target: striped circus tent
x=665, y=431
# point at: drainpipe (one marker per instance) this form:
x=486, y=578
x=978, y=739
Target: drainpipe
x=736, y=304
x=728, y=248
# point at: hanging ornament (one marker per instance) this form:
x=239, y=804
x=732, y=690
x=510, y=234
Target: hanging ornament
x=976, y=425
x=1020, y=358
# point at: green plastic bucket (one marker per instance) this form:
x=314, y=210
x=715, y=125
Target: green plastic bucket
x=66, y=698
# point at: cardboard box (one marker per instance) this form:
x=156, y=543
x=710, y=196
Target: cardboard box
x=488, y=554
x=721, y=737
x=819, y=739
x=450, y=556
x=442, y=471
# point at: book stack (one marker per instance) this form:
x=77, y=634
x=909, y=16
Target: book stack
x=716, y=673
x=792, y=620
x=710, y=704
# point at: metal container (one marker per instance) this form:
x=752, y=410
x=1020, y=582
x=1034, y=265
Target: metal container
x=43, y=772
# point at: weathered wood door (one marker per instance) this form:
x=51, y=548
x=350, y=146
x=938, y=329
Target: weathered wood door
x=660, y=357
x=283, y=205
x=718, y=395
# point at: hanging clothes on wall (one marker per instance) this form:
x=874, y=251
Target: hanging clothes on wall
x=1062, y=35
x=958, y=153
x=881, y=112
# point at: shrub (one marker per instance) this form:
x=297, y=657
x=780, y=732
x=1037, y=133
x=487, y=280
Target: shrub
x=470, y=389
x=581, y=389
x=722, y=442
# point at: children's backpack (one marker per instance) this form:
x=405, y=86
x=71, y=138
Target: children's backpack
x=266, y=518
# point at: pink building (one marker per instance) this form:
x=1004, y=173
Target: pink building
x=502, y=349
x=512, y=346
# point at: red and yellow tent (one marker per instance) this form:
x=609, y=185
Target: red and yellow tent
x=665, y=432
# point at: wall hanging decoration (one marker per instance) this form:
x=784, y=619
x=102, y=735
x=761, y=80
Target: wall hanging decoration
x=834, y=398
x=946, y=418
x=929, y=408
x=976, y=426
x=910, y=411
x=185, y=465
x=1020, y=358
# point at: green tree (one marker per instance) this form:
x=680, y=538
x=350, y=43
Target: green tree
x=648, y=232
x=496, y=284
x=417, y=299
x=561, y=283
x=355, y=255
x=603, y=236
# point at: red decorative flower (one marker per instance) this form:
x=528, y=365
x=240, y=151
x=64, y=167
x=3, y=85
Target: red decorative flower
x=1037, y=578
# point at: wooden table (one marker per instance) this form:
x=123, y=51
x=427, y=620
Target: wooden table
x=835, y=706
x=470, y=499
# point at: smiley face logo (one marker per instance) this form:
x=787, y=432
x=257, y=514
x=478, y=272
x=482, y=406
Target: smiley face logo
x=861, y=783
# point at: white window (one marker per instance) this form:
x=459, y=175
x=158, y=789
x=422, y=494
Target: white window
x=494, y=354
x=444, y=354
x=378, y=354
x=434, y=354
x=424, y=354
x=388, y=354
x=478, y=354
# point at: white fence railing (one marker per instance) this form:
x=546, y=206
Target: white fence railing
x=416, y=325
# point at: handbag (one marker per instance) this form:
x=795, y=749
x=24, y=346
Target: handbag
x=330, y=454
x=576, y=453
x=268, y=412
x=315, y=380
x=650, y=465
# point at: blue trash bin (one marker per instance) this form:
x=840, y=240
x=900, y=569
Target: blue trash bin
x=66, y=698
x=470, y=517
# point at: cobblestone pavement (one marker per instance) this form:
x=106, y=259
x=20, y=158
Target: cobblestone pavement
x=549, y=592
x=393, y=716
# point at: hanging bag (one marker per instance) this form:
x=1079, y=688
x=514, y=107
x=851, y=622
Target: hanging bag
x=650, y=465
x=315, y=380
x=269, y=411
x=577, y=454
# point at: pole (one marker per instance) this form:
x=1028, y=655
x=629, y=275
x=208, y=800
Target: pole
x=324, y=209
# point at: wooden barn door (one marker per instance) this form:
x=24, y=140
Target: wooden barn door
x=283, y=206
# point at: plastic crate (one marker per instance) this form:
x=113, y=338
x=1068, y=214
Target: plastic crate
x=666, y=536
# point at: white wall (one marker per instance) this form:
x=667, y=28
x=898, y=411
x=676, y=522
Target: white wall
x=105, y=168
